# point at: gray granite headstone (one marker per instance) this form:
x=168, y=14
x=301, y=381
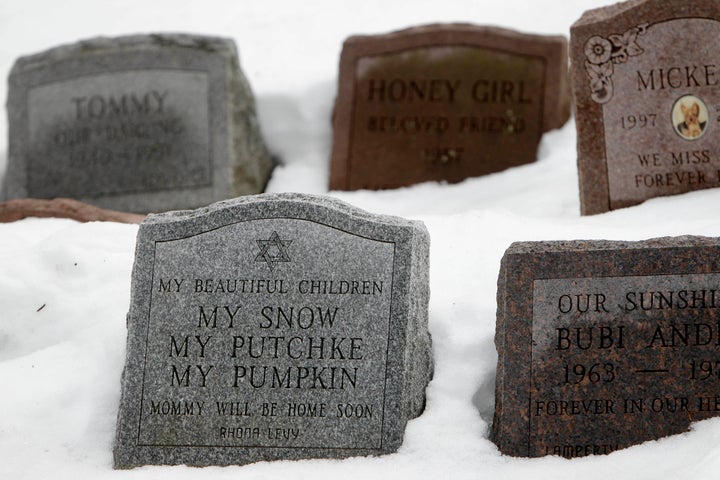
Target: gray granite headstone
x=140, y=123
x=603, y=344
x=277, y=326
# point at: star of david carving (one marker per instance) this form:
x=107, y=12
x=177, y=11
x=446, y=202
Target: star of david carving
x=273, y=250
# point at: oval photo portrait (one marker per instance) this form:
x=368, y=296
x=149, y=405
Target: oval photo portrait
x=689, y=117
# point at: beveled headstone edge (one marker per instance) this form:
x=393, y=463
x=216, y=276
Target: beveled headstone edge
x=287, y=198
x=103, y=44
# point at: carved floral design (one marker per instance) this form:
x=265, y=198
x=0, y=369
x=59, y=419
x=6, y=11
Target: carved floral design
x=603, y=53
x=598, y=50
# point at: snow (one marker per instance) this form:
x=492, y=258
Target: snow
x=64, y=286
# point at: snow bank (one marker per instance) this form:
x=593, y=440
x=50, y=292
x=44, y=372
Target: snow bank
x=64, y=286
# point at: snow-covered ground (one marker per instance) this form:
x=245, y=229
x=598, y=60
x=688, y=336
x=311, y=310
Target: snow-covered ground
x=64, y=286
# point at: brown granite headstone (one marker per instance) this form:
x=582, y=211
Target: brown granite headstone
x=646, y=82
x=21, y=208
x=444, y=102
x=603, y=345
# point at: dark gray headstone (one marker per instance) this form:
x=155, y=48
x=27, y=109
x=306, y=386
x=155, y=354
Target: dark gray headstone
x=603, y=345
x=280, y=326
x=141, y=123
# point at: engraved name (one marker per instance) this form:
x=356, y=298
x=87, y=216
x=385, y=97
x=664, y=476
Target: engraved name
x=677, y=77
x=446, y=91
x=100, y=106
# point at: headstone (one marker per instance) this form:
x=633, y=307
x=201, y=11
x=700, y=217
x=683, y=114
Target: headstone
x=139, y=123
x=280, y=326
x=443, y=103
x=603, y=345
x=14, y=210
x=645, y=79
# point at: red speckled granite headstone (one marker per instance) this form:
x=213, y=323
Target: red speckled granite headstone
x=444, y=102
x=646, y=81
x=603, y=345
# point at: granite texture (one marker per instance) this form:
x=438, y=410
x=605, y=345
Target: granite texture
x=142, y=123
x=444, y=102
x=638, y=69
x=603, y=345
x=277, y=326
